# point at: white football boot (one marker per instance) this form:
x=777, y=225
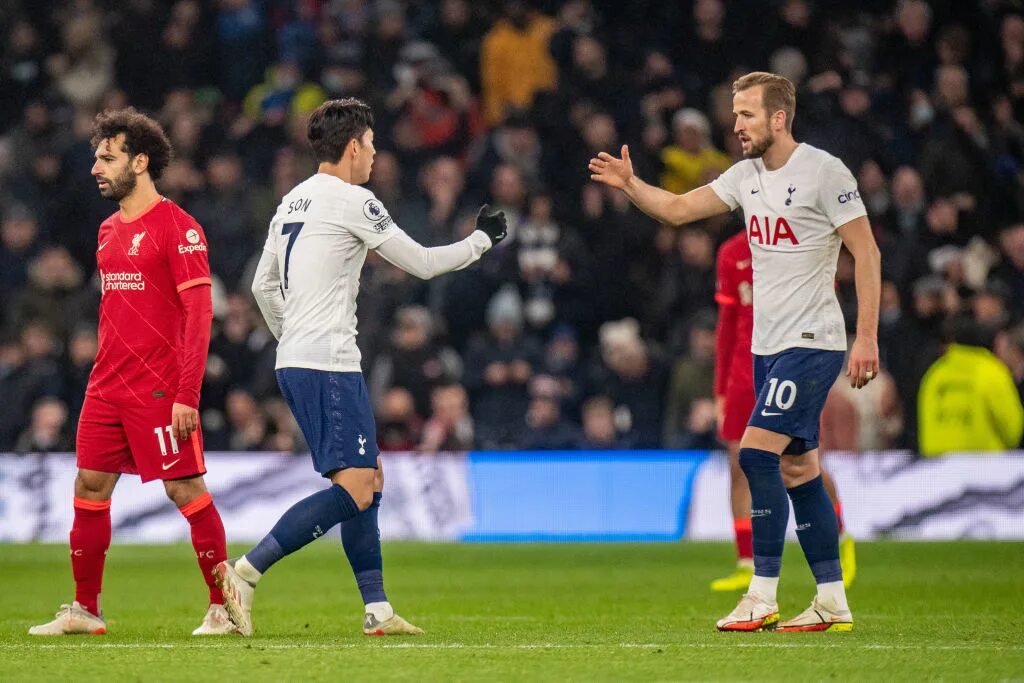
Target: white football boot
x=71, y=619
x=217, y=622
x=393, y=626
x=753, y=613
x=818, y=617
x=238, y=595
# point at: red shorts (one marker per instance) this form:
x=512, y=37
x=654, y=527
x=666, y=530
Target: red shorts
x=739, y=404
x=135, y=440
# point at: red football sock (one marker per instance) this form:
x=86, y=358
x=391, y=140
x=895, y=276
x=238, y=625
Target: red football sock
x=207, y=539
x=839, y=516
x=90, y=539
x=744, y=538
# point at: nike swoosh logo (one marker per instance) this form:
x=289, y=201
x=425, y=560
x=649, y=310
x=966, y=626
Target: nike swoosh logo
x=754, y=191
x=763, y=412
x=169, y=465
x=103, y=245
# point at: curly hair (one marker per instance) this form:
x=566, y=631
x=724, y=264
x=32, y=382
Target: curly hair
x=142, y=135
x=334, y=123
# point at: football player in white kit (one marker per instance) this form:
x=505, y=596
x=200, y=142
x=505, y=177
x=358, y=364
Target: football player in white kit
x=800, y=205
x=306, y=285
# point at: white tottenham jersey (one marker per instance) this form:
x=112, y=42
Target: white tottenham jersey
x=307, y=279
x=320, y=235
x=792, y=214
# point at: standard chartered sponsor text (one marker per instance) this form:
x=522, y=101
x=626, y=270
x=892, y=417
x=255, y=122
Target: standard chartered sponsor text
x=123, y=281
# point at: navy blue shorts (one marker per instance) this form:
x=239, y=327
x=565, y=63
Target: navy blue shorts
x=333, y=410
x=791, y=389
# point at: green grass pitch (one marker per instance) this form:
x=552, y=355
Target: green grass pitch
x=949, y=611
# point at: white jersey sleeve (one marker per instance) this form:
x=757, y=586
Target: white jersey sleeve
x=429, y=262
x=266, y=288
x=727, y=186
x=365, y=217
x=838, y=194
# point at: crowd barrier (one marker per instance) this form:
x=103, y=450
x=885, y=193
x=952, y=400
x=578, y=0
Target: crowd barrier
x=578, y=496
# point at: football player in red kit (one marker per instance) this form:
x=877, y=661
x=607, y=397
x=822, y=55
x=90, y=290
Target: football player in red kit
x=734, y=397
x=140, y=414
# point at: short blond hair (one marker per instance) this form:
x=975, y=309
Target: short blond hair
x=778, y=93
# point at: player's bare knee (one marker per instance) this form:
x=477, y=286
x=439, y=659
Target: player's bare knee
x=359, y=482
x=798, y=470
x=92, y=485
x=184, y=491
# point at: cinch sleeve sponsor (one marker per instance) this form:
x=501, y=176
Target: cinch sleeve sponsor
x=839, y=196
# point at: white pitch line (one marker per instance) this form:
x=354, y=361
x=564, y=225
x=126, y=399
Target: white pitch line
x=514, y=646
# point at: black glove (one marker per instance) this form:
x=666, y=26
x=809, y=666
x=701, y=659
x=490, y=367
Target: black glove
x=492, y=225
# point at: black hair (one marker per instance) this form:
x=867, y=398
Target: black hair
x=334, y=123
x=142, y=135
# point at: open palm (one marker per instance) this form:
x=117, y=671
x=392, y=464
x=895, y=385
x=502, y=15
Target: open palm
x=610, y=170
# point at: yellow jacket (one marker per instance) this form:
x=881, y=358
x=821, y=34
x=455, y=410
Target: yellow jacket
x=514, y=65
x=685, y=171
x=968, y=403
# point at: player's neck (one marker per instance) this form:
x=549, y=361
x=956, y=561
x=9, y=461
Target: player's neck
x=341, y=170
x=142, y=197
x=776, y=156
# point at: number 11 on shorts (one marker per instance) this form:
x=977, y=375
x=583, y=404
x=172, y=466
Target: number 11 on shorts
x=159, y=431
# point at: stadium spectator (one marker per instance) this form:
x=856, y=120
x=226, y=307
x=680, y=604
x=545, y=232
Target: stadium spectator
x=515, y=62
x=546, y=428
x=498, y=371
x=599, y=430
x=23, y=381
x=968, y=402
x=1011, y=270
x=913, y=344
x=48, y=431
x=414, y=361
x=450, y=427
x=635, y=376
x=691, y=161
x=19, y=244
x=688, y=423
x=1010, y=349
x=398, y=425
x=247, y=420
x=81, y=355
x=226, y=206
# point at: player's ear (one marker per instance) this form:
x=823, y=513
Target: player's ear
x=140, y=163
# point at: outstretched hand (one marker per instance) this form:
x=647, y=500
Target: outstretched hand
x=610, y=170
x=492, y=225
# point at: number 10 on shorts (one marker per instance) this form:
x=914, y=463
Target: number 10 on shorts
x=159, y=431
x=783, y=394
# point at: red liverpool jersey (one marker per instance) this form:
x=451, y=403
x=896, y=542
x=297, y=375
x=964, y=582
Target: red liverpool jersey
x=143, y=265
x=734, y=364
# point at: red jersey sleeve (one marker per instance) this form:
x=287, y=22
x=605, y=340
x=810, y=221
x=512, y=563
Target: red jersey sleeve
x=188, y=258
x=187, y=254
x=728, y=299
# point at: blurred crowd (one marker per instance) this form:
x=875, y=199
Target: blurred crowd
x=592, y=326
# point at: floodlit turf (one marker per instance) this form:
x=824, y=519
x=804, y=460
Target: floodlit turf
x=524, y=612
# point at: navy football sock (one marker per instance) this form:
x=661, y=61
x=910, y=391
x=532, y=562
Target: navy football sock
x=361, y=538
x=769, y=509
x=304, y=522
x=817, y=528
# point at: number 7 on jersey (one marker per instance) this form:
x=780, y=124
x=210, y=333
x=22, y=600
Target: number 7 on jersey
x=292, y=230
